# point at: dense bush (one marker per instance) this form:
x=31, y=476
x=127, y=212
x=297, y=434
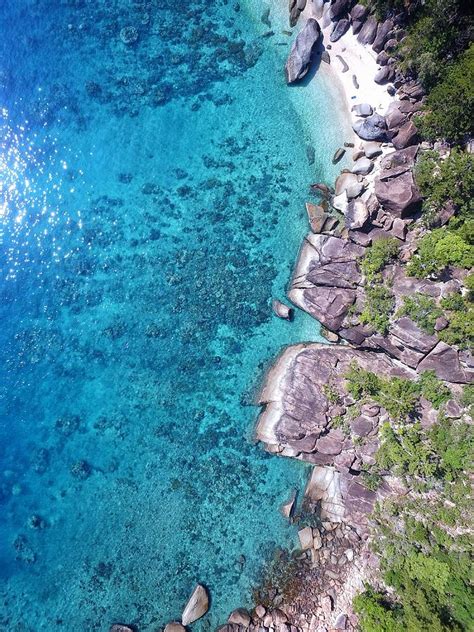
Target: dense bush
x=378, y=307
x=460, y=314
x=422, y=310
x=449, y=108
x=437, y=250
x=443, y=182
x=382, y=252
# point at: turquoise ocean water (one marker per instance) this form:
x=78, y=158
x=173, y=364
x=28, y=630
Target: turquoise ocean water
x=151, y=205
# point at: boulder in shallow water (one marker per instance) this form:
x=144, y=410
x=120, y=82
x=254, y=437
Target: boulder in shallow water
x=197, y=605
x=299, y=60
x=174, y=626
x=281, y=310
x=241, y=617
x=371, y=128
x=120, y=627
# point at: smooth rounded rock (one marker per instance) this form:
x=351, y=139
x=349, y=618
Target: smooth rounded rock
x=240, y=616
x=174, y=626
x=197, y=605
x=363, y=166
x=281, y=310
x=362, y=109
x=302, y=50
x=371, y=128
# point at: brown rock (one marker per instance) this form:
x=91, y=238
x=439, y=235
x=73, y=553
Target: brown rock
x=197, y=605
x=407, y=135
x=444, y=361
x=174, y=626
x=281, y=310
x=240, y=616
x=399, y=195
x=316, y=216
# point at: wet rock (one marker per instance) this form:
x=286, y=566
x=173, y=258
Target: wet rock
x=197, y=605
x=341, y=27
x=281, y=310
x=299, y=60
x=338, y=155
x=362, y=109
x=371, y=128
x=288, y=508
x=316, y=216
x=36, y=522
x=400, y=195
x=240, y=616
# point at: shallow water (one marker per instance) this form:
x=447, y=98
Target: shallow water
x=152, y=204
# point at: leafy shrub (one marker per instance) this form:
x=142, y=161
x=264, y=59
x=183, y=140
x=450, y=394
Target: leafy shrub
x=460, y=313
x=378, y=307
x=422, y=310
x=379, y=255
x=433, y=389
x=437, y=250
x=445, y=181
x=449, y=108
x=454, y=443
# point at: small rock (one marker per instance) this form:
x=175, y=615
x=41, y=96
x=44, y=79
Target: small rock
x=363, y=166
x=306, y=538
x=281, y=310
x=120, y=627
x=260, y=611
x=174, y=626
x=441, y=323
x=338, y=155
x=240, y=616
x=362, y=109
x=372, y=150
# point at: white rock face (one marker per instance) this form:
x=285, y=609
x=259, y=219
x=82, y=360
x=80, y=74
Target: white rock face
x=197, y=605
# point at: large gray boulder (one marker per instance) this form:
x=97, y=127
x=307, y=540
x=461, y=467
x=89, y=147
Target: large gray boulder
x=400, y=195
x=385, y=74
x=362, y=109
x=358, y=16
x=197, y=605
x=368, y=31
x=356, y=214
x=339, y=8
x=299, y=60
x=382, y=35
x=341, y=27
x=371, y=128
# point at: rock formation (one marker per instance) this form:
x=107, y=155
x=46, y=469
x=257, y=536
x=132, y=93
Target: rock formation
x=301, y=53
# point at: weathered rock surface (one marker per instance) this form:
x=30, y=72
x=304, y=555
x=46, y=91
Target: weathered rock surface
x=371, y=128
x=399, y=195
x=301, y=53
x=383, y=31
x=281, y=310
x=368, y=31
x=363, y=166
x=407, y=135
x=384, y=75
x=341, y=27
x=240, y=616
x=197, y=605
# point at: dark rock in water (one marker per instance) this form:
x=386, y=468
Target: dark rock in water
x=341, y=27
x=338, y=8
x=391, y=90
x=281, y=310
x=383, y=31
x=368, y=31
x=371, y=128
x=323, y=188
x=301, y=52
x=407, y=135
x=310, y=154
x=120, y=627
x=338, y=155
x=81, y=470
x=265, y=19
x=316, y=216
x=400, y=195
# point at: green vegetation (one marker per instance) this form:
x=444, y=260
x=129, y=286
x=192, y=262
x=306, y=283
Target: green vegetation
x=379, y=299
x=460, y=314
x=399, y=396
x=446, y=182
x=439, y=249
x=422, y=310
x=381, y=253
x=449, y=109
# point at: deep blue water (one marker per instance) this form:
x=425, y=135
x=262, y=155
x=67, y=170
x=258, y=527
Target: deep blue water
x=151, y=205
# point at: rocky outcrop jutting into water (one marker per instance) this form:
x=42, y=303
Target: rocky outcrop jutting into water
x=301, y=53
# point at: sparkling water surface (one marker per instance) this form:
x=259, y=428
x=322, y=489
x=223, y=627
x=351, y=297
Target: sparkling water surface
x=151, y=206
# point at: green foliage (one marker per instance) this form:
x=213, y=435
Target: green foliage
x=437, y=250
x=361, y=382
x=468, y=396
x=454, y=443
x=445, y=181
x=382, y=252
x=404, y=452
x=376, y=613
x=433, y=389
x=437, y=33
x=449, y=108
x=460, y=313
x=422, y=310
x=378, y=307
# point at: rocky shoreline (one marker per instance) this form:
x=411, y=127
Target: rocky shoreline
x=307, y=411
